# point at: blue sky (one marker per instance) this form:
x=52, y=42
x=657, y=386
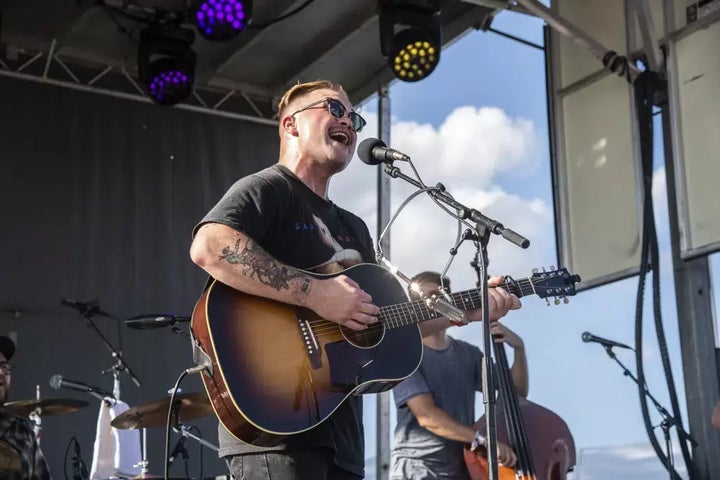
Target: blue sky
x=479, y=125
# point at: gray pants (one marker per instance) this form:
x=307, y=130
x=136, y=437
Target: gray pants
x=310, y=464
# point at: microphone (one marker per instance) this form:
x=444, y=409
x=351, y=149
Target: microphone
x=589, y=337
x=374, y=152
x=143, y=322
x=57, y=382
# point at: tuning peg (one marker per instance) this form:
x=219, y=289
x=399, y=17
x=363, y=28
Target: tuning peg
x=566, y=300
x=557, y=301
x=547, y=302
x=534, y=270
x=552, y=268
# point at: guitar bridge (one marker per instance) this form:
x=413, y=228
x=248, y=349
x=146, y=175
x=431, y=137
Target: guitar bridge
x=311, y=345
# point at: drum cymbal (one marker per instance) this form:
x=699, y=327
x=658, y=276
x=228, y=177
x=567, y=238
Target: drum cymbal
x=9, y=459
x=154, y=414
x=45, y=406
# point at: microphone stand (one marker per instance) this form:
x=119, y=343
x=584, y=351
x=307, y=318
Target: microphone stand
x=178, y=450
x=667, y=421
x=186, y=433
x=181, y=449
x=87, y=310
x=481, y=230
x=481, y=239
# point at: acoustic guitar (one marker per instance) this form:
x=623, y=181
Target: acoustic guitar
x=278, y=369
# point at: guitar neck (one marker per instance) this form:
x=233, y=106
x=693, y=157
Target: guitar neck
x=417, y=311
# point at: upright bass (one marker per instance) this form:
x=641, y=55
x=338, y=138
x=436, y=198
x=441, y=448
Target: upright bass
x=540, y=438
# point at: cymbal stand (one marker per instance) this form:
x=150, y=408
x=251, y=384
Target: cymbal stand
x=143, y=464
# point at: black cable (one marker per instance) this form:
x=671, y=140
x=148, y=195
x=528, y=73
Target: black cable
x=646, y=84
x=617, y=64
x=648, y=226
x=281, y=17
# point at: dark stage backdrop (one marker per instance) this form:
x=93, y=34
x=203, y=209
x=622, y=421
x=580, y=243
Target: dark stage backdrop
x=98, y=200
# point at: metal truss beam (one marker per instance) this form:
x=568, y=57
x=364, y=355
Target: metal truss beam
x=38, y=66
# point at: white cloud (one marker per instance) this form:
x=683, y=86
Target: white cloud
x=660, y=205
x=659, y=188
x=472, y=145
x=466, y=153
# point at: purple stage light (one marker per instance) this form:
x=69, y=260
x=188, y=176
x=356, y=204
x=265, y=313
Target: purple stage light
x=221, y=19
x=166, y=63
x=169, y=86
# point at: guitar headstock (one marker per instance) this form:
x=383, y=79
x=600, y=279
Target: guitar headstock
x=554, y=283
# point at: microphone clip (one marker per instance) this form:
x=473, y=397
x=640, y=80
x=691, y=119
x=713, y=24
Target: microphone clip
x=442, y=304
x=439, y=302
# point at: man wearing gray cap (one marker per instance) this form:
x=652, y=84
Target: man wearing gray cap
x=16, y=433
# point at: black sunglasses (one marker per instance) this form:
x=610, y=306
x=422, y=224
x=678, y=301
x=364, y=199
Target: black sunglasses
x=337, y=110
x=7, y=367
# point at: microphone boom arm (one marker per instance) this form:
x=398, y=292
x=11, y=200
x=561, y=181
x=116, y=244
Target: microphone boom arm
x=463, y=213
x=120, y=365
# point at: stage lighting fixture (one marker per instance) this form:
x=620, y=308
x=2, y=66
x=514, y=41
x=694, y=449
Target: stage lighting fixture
x=221, y=20
x=411, y=37
x=166, y=63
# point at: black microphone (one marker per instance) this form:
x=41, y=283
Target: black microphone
x=374, y=152
x=143, y=322
x=57, y=381
x=589, y=337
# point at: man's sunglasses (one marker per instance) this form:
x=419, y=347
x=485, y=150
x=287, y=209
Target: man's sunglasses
x=337, y=110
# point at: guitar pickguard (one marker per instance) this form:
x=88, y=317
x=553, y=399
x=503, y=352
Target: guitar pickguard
x=347, y=363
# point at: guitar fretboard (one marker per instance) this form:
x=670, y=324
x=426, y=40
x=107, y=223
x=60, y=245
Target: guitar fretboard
x=409, y=313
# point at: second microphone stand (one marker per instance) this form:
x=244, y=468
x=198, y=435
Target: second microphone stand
x=667, y=420
x=87, y=311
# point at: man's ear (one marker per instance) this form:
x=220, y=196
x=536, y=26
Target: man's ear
x=288, y=125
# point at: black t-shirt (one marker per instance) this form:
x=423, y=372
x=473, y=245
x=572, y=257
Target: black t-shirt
x=303, y=230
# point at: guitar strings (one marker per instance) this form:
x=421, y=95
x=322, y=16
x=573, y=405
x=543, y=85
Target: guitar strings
x=390, y=312
x=403, y=314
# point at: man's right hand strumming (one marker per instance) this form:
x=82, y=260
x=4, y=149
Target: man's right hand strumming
x=341, y=300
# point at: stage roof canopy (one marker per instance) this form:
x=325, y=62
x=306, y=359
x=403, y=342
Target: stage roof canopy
x=336, y=39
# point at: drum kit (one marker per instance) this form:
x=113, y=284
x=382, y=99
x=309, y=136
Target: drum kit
x=185, y=406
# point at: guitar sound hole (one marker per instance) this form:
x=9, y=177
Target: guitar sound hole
x=367, y=338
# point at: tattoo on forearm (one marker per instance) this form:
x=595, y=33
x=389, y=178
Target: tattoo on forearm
x=259, y=265
x=302, y=292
